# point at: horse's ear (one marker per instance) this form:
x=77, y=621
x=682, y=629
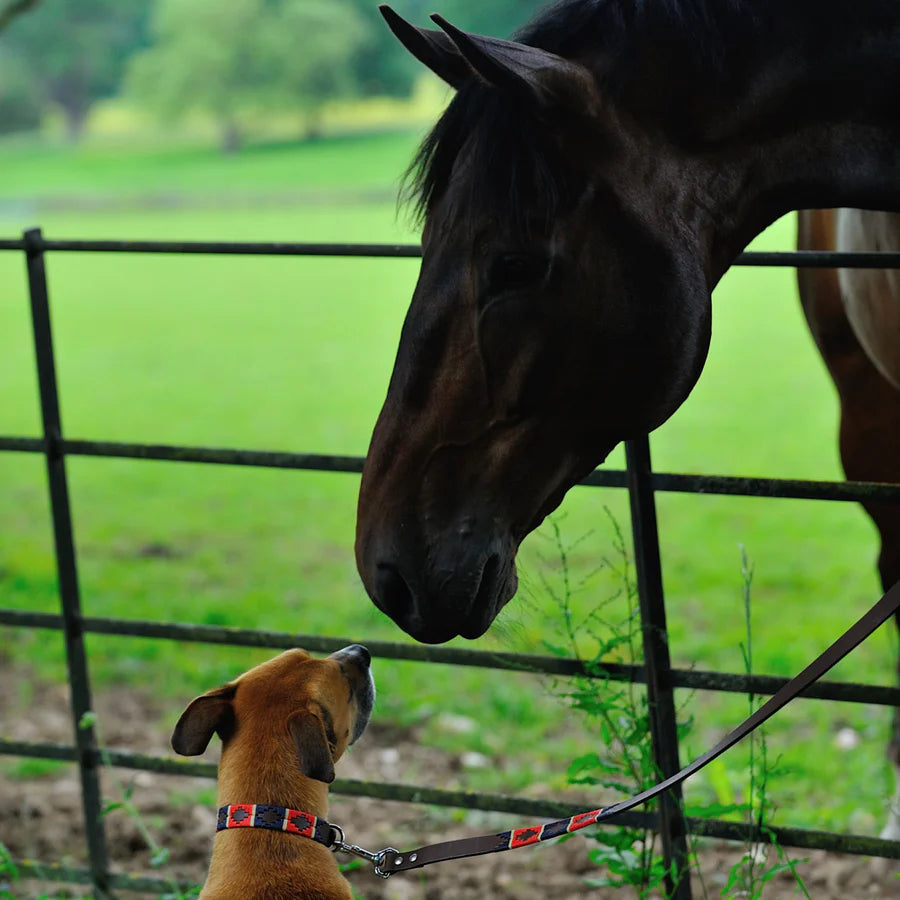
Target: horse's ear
x=550, y=80
x=432, y=48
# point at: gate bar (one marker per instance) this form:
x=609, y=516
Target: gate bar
x=76, y=658
x=672, y=482
x=657, y=663
x=816, y=259
x=533, y=664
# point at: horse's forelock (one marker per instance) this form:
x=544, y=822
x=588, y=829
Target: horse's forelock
x=514, y=168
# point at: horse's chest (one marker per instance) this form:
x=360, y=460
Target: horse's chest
x=872, y=296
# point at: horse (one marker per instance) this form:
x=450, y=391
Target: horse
x=586, y=188
x=854, y=317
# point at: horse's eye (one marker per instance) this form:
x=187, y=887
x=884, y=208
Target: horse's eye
x=514, y=271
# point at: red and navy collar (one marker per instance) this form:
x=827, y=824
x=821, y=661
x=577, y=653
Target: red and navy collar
x=278, y=818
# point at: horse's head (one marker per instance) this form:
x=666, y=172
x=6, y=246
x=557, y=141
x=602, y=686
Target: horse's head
x=559, y=310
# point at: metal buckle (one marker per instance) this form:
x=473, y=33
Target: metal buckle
x=339, y=845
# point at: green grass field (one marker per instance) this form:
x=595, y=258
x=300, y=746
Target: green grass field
x=294, y=354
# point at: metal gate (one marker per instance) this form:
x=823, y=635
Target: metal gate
x=638, y=479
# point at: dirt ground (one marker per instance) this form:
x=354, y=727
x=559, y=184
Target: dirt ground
x=41, y=820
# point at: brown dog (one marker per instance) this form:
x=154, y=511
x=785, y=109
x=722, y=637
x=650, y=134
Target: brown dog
x=283, y=725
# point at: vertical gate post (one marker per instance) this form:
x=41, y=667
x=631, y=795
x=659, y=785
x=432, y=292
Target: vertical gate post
x=657, y=664
x=76, y=658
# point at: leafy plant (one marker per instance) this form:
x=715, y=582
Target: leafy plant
x=8, y=873
x=625, y=765
x=619, y=710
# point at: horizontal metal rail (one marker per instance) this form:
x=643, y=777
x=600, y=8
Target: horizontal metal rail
x=499, y=803
x=224, y=248
x=818, y=259
x=673, y=482
x=692, y=679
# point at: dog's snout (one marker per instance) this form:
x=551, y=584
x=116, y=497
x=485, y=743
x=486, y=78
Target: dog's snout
x=361, y=653
x=361, y=681
x=355, y=653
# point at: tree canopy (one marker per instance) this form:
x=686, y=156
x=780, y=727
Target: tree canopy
x=227, y=59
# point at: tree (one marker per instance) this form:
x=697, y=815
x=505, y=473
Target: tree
x=377, y=66
x=227, y=59
x=20, y=101
x=201, y=57
x=75, y=52
x=308, y=49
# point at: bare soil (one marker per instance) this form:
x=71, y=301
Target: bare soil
x=41, y=819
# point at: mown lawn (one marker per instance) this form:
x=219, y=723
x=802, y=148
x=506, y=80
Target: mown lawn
x=108, y=169
x=294, y=354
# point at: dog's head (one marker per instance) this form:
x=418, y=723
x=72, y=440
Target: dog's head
x=320, y=705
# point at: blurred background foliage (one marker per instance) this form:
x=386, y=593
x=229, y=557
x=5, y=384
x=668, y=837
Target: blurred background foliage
x=234, y=64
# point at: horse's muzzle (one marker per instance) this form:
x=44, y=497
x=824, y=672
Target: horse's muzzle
x=438, y=602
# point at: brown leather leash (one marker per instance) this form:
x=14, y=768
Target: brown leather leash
x=389, y=861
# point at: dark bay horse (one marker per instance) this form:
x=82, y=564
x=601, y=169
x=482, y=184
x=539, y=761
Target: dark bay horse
x=585, y=190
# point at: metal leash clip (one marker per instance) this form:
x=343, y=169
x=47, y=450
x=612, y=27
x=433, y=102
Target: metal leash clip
x=339, y=845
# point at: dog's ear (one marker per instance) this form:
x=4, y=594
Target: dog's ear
x=208, y=714
x=311, y=743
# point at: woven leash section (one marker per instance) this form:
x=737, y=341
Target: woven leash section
x=395, y=861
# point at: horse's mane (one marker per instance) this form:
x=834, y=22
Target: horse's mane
x=512, y=156
x=515, y=163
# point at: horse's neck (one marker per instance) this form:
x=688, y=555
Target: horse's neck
x=813, y=121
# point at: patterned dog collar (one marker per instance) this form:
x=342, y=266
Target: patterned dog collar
x=277, y=818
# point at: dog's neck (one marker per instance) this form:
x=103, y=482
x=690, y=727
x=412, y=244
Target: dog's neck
x=252, y=775
x=260, y=864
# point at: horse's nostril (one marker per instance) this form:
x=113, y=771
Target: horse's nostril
x=392, y=594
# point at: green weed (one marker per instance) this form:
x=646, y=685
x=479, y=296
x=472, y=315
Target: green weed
x=629, y=856
x=618, y=713
x=34, y=768
x=9, y=873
